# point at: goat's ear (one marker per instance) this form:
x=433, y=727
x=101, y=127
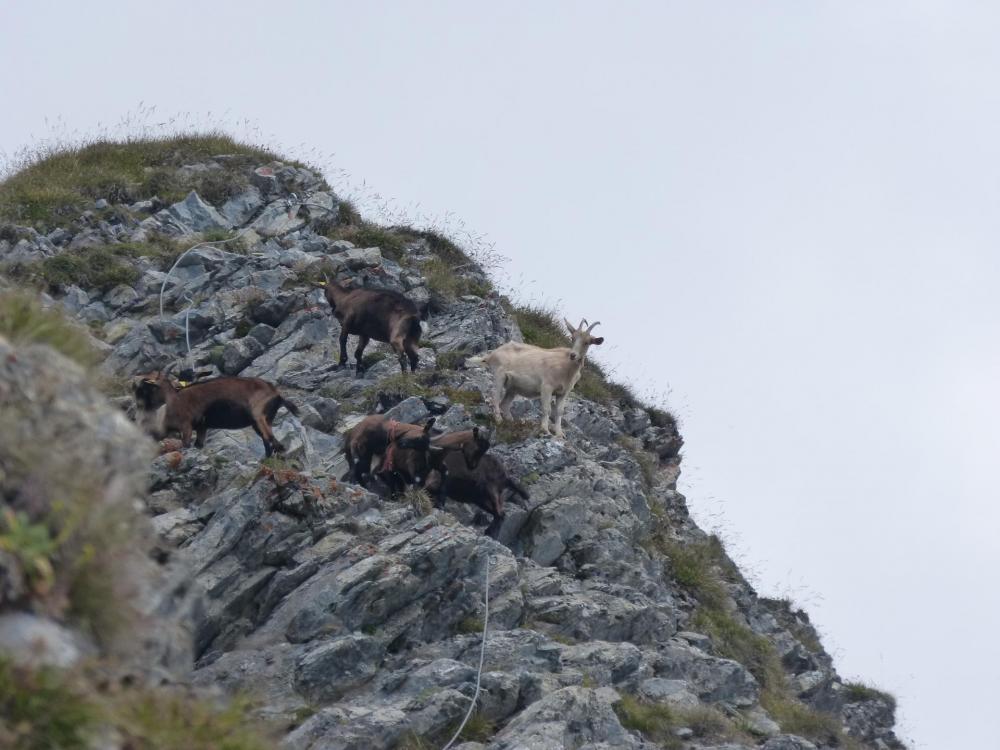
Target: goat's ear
x=475, y=432
x=569, y=326
x=598, y=341
x=430, y=423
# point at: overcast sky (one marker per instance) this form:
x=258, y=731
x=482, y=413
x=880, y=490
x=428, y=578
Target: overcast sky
x=784, y=213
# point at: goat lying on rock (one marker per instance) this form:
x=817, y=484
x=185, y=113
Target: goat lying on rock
x=376, y=434
x=228, y=403
x=378, y=314
x=525, y=370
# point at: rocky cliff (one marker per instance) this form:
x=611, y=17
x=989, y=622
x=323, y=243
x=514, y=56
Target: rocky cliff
x=309, y=612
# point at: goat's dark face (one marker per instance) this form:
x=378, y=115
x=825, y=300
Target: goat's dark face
x=473, y=450
x=148, y=390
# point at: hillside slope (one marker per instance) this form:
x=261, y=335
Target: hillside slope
x=351, y=620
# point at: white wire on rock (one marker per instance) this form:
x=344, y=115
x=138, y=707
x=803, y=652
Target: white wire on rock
x=482, y=658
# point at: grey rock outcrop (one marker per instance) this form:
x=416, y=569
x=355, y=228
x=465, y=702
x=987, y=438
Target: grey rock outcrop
x=356, y=619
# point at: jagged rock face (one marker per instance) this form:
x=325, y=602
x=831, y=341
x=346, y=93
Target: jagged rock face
x=356, y=619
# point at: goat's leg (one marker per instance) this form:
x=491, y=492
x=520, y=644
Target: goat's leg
x=396, y=342
x=186, y=435
x=546, y=396
x=267, y=446
x=560, y=405
x=359, y=353
x=271, y=443
x=412, y=353
x=200, y=434
x=505, y=403
x=499, y=395
x=343, y=347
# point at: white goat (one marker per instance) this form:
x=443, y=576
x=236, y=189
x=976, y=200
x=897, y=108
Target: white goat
x=526, y=370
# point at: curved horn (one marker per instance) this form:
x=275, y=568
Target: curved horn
x=170, y=367
x=592, y=326
x=583, y=322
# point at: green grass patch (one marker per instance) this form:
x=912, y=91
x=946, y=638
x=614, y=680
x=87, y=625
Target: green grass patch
x=797, y=718
x=155, y=720
x=467, y=397
x=450, y=360
x=24, y=320
x=857, y=692
x=470, y=625
x=419, y=500
x=443, y=280
x=43, y=709
x=658, y=722
x=51, y=187
x=100, y=268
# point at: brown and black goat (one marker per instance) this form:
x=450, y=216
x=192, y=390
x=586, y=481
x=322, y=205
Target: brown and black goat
x=377, y=435
x=485, y=485
x=379, y=314
x=227, y=403
x=421, y=462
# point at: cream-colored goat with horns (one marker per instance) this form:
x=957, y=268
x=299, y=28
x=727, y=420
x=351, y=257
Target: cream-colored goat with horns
x=531, y=371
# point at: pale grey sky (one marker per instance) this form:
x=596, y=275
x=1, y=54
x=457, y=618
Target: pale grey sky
x=784, y=212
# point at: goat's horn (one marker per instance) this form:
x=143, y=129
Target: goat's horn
x=593, y=325
x=583, y=322
x=170, y=367
x=568, y=324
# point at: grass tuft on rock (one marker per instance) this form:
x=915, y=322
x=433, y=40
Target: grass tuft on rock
x=24, y=320
x=51, y=186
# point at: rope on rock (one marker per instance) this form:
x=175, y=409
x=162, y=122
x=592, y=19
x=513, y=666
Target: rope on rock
x=482, y=658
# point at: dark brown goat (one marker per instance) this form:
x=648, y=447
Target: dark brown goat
x=484, y=486
x=378, y=314
x=376, y=434
x=417, y=461
x=228, y=403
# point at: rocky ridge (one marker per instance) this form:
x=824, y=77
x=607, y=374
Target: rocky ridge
x=354, y=620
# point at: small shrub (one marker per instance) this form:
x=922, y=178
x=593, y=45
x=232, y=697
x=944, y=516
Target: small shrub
x=467, y=397
x=43, y=709
x=419, y=500
x=478, y=728
x=515, y=430
x=541, y=326
x=442, y=279
x=23, y=320
x=450, y=360
x=734, y=640
x=470, y=625
x=795, y=717
x=654, y=720
x=33, y=547
x=151, y=720
x=860, y=691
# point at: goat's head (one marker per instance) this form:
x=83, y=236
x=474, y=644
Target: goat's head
x=418, y=441
x=152, y=389
x=581, y=338
x=475, y=449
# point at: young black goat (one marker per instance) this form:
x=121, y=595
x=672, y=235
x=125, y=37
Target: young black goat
x=377, y=314
x=484, y=486
x=228, y=403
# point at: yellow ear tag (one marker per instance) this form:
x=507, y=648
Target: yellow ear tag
x=183, y=383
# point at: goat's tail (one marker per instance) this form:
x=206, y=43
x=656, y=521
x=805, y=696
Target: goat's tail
x=518, y=488
x=289, y=405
